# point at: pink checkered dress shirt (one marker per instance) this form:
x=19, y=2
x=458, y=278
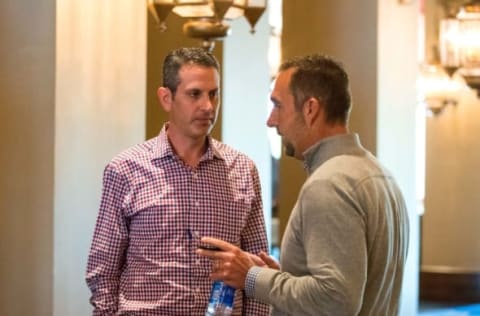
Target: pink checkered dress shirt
x=142, y=259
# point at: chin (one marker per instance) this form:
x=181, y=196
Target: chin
x=201, y=131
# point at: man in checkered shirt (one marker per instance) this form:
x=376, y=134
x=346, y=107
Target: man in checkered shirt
x=160, y=196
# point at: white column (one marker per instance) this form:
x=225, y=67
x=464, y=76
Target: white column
x=100, y=110
x=245, y=98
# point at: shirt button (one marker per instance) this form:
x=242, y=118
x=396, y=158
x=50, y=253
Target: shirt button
x=195, y=175
x=197, y=204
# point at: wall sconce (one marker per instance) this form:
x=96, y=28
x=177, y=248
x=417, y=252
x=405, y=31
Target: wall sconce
x=437, y=89
x=206, y=18
x=459, y=42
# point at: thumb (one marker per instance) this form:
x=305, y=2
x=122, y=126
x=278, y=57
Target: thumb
x=269, y=261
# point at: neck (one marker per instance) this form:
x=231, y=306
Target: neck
x=188, y=149
x=315, y=135
x=333, y=130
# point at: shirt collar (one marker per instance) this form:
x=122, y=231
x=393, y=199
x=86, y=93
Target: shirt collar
x=344, y=144
x=162, y=147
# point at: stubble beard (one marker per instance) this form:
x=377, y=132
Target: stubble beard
x=289, y=149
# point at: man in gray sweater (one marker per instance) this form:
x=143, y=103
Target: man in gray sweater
x=344, y=249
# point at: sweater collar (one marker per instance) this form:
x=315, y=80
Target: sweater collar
x=327, y=148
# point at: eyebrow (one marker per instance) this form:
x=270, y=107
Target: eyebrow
x=274, y=100
x=202, y=90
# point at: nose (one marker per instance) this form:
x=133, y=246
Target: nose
x=272, y=119
x=209, y=104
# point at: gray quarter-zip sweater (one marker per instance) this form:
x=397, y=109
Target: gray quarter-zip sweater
x=344, y=248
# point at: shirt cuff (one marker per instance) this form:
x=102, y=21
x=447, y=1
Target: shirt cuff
x=250, y=281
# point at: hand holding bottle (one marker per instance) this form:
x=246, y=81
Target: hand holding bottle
x=231, y=263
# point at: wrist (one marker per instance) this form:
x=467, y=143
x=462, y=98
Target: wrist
x=250, y=280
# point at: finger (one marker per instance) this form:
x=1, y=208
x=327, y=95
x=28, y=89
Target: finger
x=217, y=266
x=212, y=254
x=217, y=275
x=257, y=260
x=223, y=245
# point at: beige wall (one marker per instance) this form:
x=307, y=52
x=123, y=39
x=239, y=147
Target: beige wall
x=450, y=223
x=27, y=72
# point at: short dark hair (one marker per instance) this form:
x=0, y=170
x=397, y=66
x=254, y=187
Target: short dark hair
x=323, y=78
x=181, y=56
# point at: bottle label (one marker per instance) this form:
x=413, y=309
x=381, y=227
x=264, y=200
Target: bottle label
x=221, y=299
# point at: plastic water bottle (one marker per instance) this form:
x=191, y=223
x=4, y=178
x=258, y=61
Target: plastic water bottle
x=221, y=300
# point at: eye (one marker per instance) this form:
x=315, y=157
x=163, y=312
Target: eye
x=195, y=94
x=213, y=94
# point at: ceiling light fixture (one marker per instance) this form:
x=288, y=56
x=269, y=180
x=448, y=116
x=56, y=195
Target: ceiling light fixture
x=207, y=18
x=459, y=41
x=437, y=89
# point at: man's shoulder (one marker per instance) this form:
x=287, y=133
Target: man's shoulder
x=139, y=153
x=229, y=153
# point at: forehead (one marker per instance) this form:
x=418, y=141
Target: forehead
x=197, y=73
x=281, y=88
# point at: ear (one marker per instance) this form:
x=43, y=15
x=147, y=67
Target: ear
x=165, y=97
x=312, y=111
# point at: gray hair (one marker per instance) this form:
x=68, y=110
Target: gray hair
x=182, y=56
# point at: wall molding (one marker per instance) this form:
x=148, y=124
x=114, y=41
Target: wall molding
x=449, y=284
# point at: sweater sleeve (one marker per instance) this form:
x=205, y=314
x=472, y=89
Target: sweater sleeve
x=328, y=230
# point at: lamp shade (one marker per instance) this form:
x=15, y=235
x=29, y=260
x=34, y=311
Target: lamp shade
x=194, y=9
x=469, y=27
x=160, y=9
x=449, y=44
x=437, y=89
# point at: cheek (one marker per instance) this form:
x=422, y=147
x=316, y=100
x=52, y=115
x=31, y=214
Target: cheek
x=284, y=121
x=288, y=128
